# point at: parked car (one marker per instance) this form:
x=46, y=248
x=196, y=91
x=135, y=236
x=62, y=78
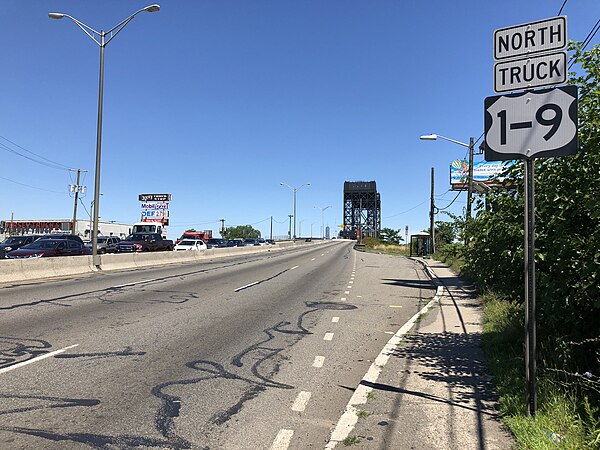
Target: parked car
x=262, y=241
x=190, y=244
x=250, y=242
x=270, y=241
x=235, y=243
x=144, y=242
x=71, y=237
x=50, y=247
x=216, y=243
x=106, y=244
x=15, y=242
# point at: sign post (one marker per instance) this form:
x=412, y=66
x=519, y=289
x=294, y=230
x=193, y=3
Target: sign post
x=529, y=125
x=529, y=252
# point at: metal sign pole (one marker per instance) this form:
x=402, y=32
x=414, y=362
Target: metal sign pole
x=529, y=251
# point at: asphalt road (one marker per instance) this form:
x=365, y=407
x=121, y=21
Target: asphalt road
x=254, y=352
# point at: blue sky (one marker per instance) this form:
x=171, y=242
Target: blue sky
x=217, y=102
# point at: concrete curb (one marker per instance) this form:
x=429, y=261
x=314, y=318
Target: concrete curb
x=349, y=418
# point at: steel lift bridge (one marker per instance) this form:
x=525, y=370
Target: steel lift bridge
x=362, y=210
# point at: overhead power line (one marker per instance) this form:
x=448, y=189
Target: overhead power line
x=561, y=8
x=42, y=159
x=33, y=187
x=408, y=210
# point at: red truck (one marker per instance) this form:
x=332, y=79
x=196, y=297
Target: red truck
x=200, y=235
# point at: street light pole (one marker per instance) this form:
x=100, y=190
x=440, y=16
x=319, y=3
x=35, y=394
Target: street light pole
x=470, y=146
x=112, y=33
x=294, y=190
x=323, y=220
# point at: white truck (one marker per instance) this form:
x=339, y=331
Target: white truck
x=149, y=227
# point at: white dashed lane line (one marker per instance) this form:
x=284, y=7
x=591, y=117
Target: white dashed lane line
x=301, y=401
x=328, y=337
x=318, y=362
x=343, y=299
x=133, y=284
x=295, y=267
x=247, y=286
x=346, y=292
x=282, y=440
x=313, y=259
x=37, y=358
x=335, y=319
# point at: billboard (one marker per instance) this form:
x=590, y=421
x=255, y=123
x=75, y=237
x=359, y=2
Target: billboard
x=483, y=172
x=155, y=208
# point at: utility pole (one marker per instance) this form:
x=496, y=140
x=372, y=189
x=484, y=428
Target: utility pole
x=290, y=228
x=271, y=235
x=77, y=189
x=432, y=216
x=470, y=180
x=222, y=227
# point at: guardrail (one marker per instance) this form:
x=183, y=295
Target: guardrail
x=16, y=270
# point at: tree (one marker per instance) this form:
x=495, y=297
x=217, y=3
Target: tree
x=445, y=232
x=240, y=232
x=390, y=236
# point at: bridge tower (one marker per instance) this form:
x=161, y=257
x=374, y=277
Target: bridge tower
x=362, y=210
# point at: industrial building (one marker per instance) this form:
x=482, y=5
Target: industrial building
x=53, y=226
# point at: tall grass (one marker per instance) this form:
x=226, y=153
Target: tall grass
x=563, y=419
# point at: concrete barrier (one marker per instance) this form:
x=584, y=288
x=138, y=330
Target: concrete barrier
x=15, y=270
x=25, y=269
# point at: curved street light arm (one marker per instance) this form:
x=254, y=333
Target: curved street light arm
x=452, y=140
x=84, y=27
x=285, y=184
x=91, y=32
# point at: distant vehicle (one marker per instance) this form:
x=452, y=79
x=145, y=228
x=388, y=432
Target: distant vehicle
x=261, y=241
x=70, y=237
x=308, y=240
x=190, y=244
x=149, y=227
x=106, y=244
x=144, y=242
x=196, y=235
x=50, y=247
x=15, y=242
x=235, y=243
x=250, y=241
x=216, y=243
x=270, y=241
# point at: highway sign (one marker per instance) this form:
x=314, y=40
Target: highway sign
x=530, y=38
x=531, y=124
x=527, y=73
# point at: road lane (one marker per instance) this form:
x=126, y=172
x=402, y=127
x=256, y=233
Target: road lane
x=184, y=361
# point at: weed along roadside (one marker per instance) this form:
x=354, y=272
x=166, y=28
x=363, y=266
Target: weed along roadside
x=567, y=415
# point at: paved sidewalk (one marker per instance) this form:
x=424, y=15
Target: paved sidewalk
x=434, y=392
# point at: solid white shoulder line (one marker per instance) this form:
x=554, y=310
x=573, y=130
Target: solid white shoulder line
x=37, y=358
